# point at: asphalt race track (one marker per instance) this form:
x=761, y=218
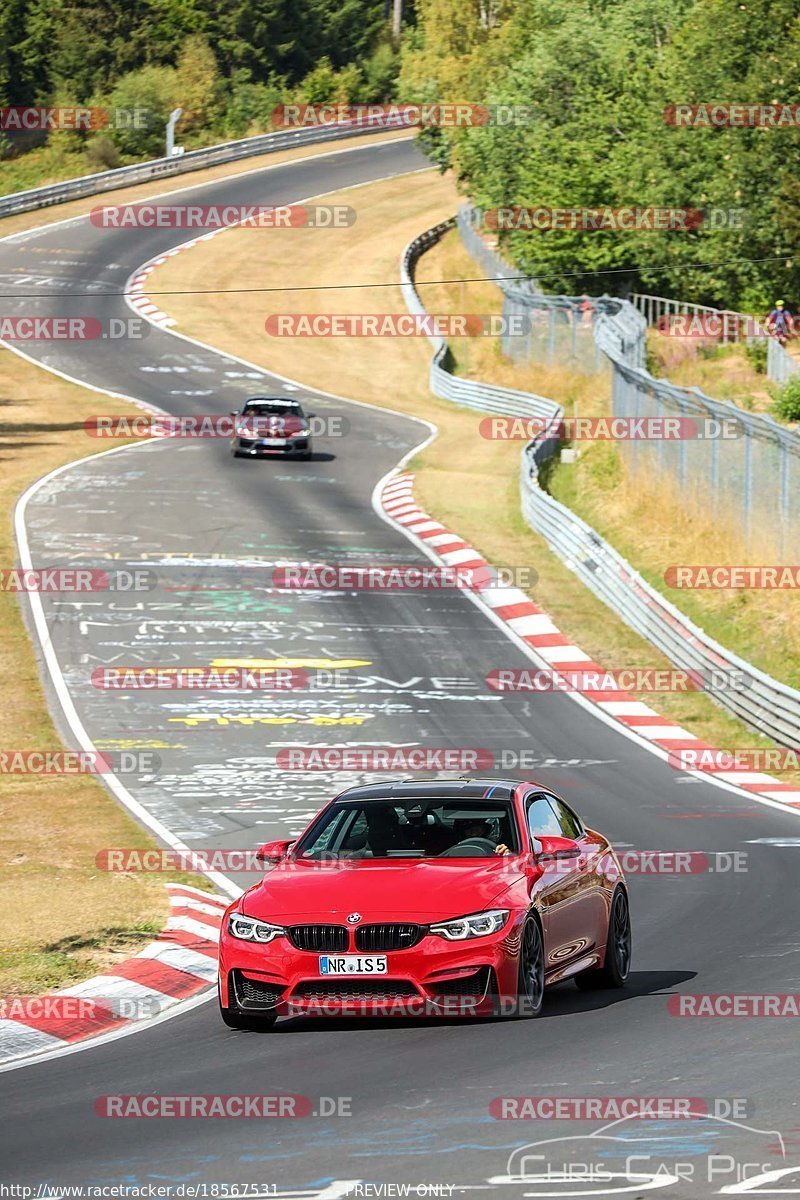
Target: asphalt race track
x=419, y=1091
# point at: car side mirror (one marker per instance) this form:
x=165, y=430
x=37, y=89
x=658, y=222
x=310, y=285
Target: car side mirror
x=273, y=852
x=310, y=414
x=234, y=413
x=554, y=849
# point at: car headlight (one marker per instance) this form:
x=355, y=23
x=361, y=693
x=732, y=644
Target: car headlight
x=300, y=433
x=478, y=925
x=249, y=929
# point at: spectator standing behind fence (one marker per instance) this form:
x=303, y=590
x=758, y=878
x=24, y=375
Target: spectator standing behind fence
x=780, y=323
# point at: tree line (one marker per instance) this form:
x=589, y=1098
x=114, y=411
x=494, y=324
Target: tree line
x=227, y=63
x=599, y=78
x=595, y=78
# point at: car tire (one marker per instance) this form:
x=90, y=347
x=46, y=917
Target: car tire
x=530, y=978
x=617, y=967
x=234, y=1018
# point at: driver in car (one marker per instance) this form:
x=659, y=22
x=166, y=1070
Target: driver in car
x=483, y=829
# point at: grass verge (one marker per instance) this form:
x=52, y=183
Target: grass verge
x=464, y=481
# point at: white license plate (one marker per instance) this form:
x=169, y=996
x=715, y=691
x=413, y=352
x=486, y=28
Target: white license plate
x=272, y=442
x=353, y=964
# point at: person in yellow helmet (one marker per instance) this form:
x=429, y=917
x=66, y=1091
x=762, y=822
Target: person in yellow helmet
x=780, y=323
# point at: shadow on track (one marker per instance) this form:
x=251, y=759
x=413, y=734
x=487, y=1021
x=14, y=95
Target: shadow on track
x=561, y=1000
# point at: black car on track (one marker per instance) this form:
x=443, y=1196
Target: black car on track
x=271, y=426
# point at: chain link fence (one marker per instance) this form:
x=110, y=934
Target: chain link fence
x=780, y=364
x=764, y=703
x=743, y=465
x=559, y=330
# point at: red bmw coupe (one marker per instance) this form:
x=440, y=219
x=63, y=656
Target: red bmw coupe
x=447, y=897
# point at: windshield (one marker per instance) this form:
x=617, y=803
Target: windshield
x=272, y=408
x=416, y=828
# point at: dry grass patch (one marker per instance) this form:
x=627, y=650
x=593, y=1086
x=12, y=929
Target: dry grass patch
x=722, y=372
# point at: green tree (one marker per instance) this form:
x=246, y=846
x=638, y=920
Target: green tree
x=149, y=95
x=198, y=83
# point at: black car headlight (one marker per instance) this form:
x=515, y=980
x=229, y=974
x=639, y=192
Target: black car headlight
x=477, y=925
x=250, y=929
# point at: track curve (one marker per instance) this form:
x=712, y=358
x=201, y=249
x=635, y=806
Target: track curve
x=420, y=1091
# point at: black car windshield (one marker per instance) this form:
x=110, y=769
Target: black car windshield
x=397, y=829
x=272, y=408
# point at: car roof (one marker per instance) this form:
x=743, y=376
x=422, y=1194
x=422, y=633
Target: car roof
x=434, y=789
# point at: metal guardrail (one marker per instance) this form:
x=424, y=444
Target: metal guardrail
x=755, y=483
x=470, y=393
x=780, y=364
x=763, y=703
x=193, y=160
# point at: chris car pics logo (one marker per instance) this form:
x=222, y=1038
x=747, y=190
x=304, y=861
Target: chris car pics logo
x=637, y=1155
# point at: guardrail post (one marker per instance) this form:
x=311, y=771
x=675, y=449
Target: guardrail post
x=747, y=497
x=785, y=510
x=551, y=337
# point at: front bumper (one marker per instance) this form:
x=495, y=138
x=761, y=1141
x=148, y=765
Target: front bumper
x=290, y=448
x=433, y=978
